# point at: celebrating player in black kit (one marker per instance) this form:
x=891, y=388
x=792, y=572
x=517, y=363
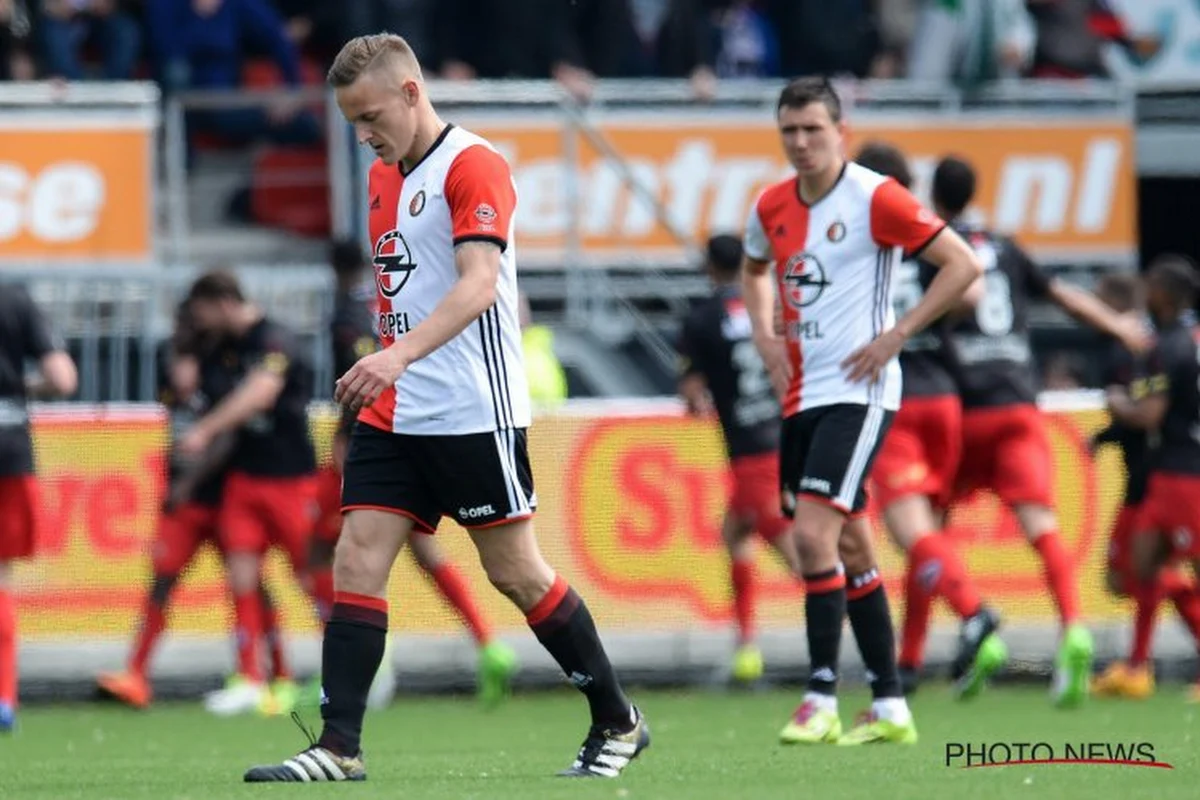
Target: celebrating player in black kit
x=24, y=335
x=189, y=383
x=721, y=369
x=1166, y=398
x=1132, y=678
x=270, y=493
x=914, y=473
x=1006, y=447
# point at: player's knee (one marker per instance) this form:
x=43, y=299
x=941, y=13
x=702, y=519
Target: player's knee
x=1036, y=520
x=426, y=552
x=521, y=580
x=509, y=584
x=524, y=589
x=855, y=546
x=908, y=520
x=740, y=550
x=243, y=569
x=736, y=533
x=785, y=546
x=906, y=539
x=855, y=558
x=366, y=549
x=355, y=569
x=817, y=546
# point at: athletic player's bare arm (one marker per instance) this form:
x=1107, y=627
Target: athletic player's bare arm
x=898, y=220
x=482, y=201
x=57, y=376
x=693, y=385
x=478, y=264
x=1087, y=308
x=970, y=299
x=955, y=285
x=212, y=461
x=758, y=292
x=257, y=393
x=693, y=388
x=759, y=296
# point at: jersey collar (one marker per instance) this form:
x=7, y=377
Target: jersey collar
x=828, y=192
x=441, y=138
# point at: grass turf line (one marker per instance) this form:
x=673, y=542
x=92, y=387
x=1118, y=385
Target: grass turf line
x=706, y=745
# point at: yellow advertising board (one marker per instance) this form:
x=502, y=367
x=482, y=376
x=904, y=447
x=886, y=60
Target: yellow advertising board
x=630, y=508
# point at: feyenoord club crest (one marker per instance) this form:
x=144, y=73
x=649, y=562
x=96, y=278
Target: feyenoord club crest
x=836, y=232
x=393, y=263
x=804, y=280
x=417, y=204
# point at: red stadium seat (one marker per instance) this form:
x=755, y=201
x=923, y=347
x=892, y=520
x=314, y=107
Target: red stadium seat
x=209, y=141
x=264, y=74
x=290, y=190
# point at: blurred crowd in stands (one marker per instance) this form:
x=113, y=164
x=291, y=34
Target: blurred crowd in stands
x=207, y=43
x=227, y=44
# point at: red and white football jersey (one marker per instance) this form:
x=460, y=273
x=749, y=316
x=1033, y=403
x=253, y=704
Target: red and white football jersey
x=462, y=190
x=834, y=267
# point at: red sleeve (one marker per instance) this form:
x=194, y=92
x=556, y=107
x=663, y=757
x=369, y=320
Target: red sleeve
x=479, y=190
x=899, y=220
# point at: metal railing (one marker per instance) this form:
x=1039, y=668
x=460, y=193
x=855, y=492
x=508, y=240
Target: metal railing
x=113, y=319
x=180, y=228
x=56, y=94
x=550, y=103
x=594, y=299
x=119, y=313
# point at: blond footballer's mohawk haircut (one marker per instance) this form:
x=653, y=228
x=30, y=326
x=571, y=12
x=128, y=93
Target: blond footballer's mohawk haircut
x=364, y=54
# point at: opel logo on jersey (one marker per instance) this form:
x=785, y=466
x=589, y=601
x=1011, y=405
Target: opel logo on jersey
x=804, y=280
x=393, y=263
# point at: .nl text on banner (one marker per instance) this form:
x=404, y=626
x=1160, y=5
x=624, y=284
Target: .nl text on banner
x=1062, y=187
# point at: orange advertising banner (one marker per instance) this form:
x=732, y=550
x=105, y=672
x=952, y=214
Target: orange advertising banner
x=1063, y=188
x=630, y=509
x=72, y=191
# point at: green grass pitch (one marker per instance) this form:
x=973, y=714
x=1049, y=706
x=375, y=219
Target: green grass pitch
x=706, y=745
